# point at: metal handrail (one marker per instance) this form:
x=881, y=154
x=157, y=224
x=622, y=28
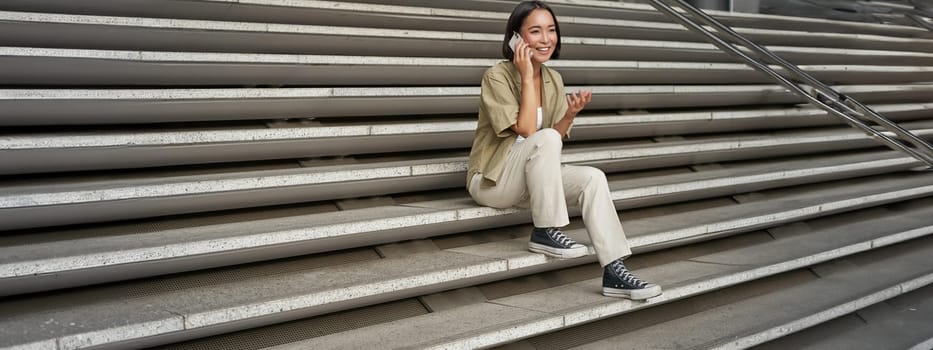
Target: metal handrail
x=919, y=20
x=826, y=97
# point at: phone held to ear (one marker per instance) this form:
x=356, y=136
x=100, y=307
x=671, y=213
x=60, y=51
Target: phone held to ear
x=514, y=41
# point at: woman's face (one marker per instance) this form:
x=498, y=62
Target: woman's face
x=540, y=33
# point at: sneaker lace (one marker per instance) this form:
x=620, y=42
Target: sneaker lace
x=560, y=238
x=628, y=277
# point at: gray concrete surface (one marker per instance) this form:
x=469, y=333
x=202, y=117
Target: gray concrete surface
x=903, y=322
x=25, y=262
x=131, y=147
x=203, y=306
x=749, y=322
x=32, y=107
x=44, y=66
x=68, y=203
x=415, y=18
x=581, y=302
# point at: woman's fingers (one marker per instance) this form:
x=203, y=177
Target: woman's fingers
x=578, y=99
x=574, y=102
x=581, y=97
x=522, y=58
x=584, y=97
x=523, y=51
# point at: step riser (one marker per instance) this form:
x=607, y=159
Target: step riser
x=43, y=71
x=100, y=158
x=738, y=188
x=45, y=107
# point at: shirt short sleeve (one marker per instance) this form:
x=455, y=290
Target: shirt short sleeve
x=498, y=103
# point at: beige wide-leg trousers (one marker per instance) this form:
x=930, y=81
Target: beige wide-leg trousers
x=534, y=177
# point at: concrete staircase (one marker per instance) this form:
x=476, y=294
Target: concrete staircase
x=289, y=174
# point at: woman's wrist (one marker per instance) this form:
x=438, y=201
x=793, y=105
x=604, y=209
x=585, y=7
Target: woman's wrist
x=569, y=115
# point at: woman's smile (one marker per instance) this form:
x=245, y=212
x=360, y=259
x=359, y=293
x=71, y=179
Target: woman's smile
x=540, y=32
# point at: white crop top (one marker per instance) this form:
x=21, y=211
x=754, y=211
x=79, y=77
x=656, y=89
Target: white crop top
x=540, y=121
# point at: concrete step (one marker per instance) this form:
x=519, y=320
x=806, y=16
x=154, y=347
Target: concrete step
x=34, y=107
x=51, y=259
x=144, y=320
x=643, y=12
x=69, y=67
x=151, y=146
x=155, y=34
x=512, y=318
x=842, y=287
x=71, y=199
x=902, y=322
x=330, y=13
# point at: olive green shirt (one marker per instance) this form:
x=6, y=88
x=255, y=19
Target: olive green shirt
x=498, y=111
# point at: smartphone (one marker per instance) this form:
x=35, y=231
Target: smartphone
x=514, y=41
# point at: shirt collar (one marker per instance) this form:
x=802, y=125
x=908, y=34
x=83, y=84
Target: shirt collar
x=545, y=73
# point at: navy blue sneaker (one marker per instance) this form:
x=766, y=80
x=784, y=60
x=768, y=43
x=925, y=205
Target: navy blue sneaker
x=551, y=242
x=619, y=282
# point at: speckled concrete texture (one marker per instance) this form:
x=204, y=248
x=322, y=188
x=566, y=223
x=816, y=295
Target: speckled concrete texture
x=30, y=259
x=142, y=137
x=114, y=320
x=756, y=320
x=111, y=250
x=445, y=328
x=581, y=302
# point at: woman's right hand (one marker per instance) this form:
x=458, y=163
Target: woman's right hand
x=522, y=60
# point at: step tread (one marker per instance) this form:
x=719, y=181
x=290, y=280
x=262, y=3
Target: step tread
x=900, y=323
x=280, y=293
x=581, y=302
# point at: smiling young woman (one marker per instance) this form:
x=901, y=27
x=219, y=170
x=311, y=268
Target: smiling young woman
x=524, y=115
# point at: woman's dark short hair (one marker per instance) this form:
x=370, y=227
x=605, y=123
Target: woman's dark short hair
x=521, y=11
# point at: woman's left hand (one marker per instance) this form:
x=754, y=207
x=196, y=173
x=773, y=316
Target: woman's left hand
x=577, y=100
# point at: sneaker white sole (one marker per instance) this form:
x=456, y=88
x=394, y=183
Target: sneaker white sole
x=557, y=252
x=633, y=294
